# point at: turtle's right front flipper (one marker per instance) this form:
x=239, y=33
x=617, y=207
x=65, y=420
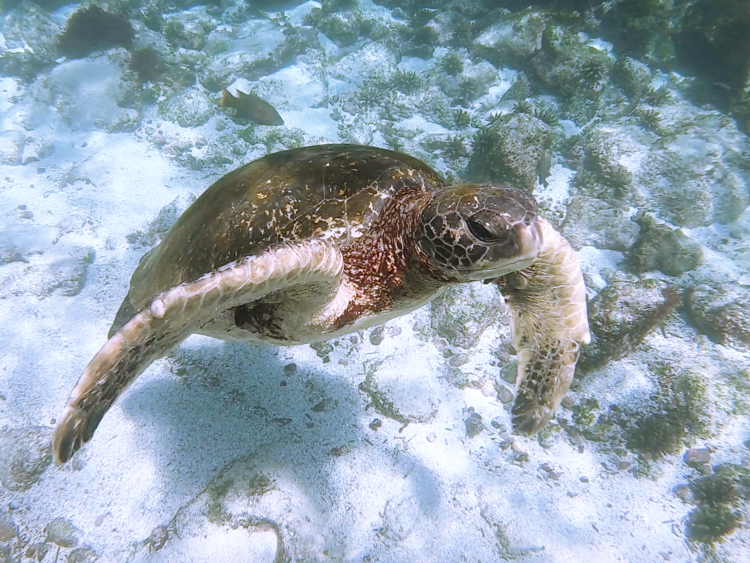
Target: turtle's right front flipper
x=175, y=314
x=549, y=324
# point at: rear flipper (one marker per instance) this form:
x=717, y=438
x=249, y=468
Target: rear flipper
x=172, y=316
x=548, y=325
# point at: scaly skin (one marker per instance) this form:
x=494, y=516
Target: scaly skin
x=175, y=314
x=548, y=325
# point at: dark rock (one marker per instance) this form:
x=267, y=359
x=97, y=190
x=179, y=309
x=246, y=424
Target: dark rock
x=622, y=315
x=159, y=226
x=29, y=41
x=663, y=248
x=698, y=455
x=158, y=538
x=740, y=227
x=19, y=243
x=604, y=158
x=519, y=90
x=504, y=394
x=593, y=222
x=722, y=313
x=68, y=275
x=147, y=64
x=37, y=551
x=474, y=425
x=8, y=529
x=516, y=158
x=404, y=399
x=458, y=360
x=82, y=555
x=25, y=454
x=714, y=45
x=322, y=349
x=640, y=28
x=63, y=533
x=463, y=313
x=377, y=335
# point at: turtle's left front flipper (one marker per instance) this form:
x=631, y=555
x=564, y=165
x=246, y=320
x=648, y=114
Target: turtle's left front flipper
x=175, y=314
x=549, y=323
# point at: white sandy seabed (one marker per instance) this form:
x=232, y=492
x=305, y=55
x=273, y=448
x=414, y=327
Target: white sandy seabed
x=243, y=458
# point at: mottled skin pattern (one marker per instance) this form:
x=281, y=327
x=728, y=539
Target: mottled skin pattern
x=312, y=243
x=548, y=326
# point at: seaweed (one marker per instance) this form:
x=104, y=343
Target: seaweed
x=147, y=64
x=426, y=36
x=708, y=524
x=370, y=94
x=593, y=70
x=90, y=29
x=407, y=81
x=422, y=16
x=650, y=118
x=455, y=148
x=451, y=64
x=656, y=96
x=461, y=118
x=469, y=90
x=678, y=411
x=523, y=106
x=485, y=140
x=718, y=496
x=547, y=115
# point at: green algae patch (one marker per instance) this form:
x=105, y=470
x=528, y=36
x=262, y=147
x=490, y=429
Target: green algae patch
x=719, y=497
x=679, y=409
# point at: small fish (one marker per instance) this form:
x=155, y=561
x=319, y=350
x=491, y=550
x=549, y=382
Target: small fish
x=250, y=106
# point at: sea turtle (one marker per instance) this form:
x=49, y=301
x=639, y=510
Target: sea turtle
x=312, y=243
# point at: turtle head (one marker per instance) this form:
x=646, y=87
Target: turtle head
x=478, y=232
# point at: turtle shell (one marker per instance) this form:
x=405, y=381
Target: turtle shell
x=325, y=191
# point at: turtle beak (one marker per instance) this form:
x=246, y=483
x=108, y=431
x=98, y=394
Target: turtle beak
x=530, y=240
x=528, y=243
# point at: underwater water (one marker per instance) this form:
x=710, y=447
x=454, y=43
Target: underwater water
x=627, y=121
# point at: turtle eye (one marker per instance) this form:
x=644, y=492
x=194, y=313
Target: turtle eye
x=482, y=231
